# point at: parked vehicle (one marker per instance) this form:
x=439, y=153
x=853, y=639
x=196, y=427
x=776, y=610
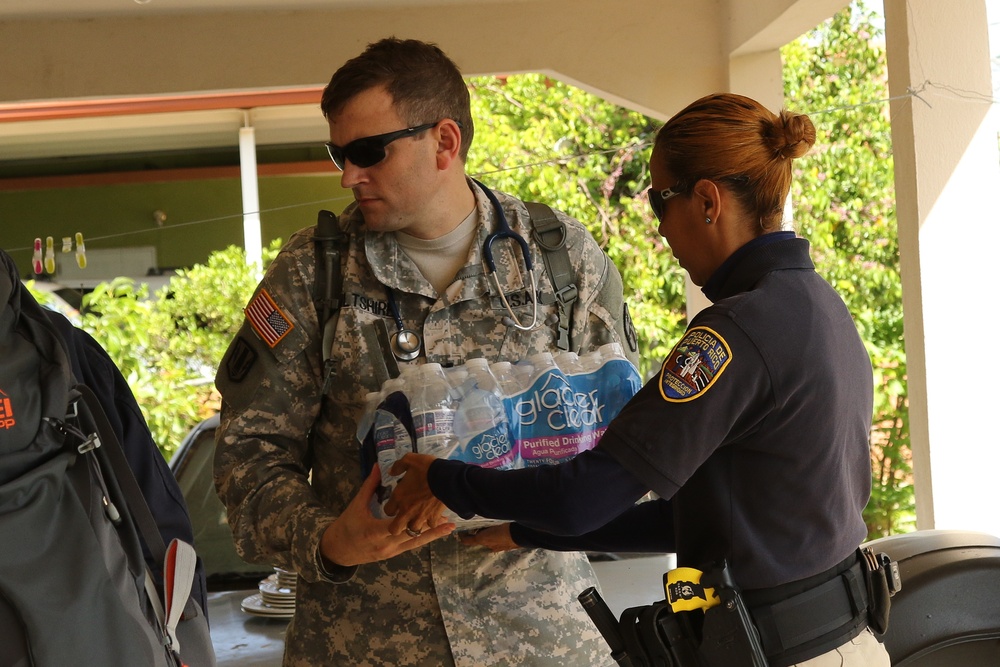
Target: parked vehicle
x=948, y=611
x=240, y=638
x=57, y=297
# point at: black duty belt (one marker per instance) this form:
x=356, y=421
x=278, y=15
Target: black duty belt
x=816, y=616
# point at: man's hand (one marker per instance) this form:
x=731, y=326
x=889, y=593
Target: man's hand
x=412, y=504
x=494, y=538
x=357, y=536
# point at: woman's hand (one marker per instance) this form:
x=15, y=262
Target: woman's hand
x=357, y=536
x=494, y=538
x=412, y=505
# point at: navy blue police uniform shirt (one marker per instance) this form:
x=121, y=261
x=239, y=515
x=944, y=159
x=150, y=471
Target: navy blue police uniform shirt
x=754, y=434
x=757, y=424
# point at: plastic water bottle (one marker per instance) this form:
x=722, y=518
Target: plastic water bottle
x=621, y=378
x=607, y=381
x=523, y=372
x=392, y=441
x=612, y=351
x=509, y=387
x=407, y=372
x=455, y=374
x=568, y=362
x=542, y=362
x=544, y=411
x=482, y=430
x=457, y=377
x=591, y=361
x=367, y=418
x=433, y=410
x=507, y=382
x=479, y=376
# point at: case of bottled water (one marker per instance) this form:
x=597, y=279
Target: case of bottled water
x=542, y=410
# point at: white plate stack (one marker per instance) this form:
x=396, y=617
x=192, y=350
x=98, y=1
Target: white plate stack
x=276, y=598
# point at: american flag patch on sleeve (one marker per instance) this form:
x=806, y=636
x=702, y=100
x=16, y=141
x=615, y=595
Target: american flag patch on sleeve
x=267, y=319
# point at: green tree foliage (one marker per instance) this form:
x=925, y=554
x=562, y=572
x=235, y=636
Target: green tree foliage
x=169, y=344
x=844, y=203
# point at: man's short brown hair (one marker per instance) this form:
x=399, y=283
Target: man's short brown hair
x=424, y=83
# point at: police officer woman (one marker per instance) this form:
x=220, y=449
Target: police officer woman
x=754, y=434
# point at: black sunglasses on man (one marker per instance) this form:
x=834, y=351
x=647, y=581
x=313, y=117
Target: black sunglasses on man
x=366, y=151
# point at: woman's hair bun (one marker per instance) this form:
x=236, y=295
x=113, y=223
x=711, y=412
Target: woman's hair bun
x=795, y=136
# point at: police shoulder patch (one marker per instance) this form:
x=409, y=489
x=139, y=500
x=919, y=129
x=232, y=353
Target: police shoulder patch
x=694, y=365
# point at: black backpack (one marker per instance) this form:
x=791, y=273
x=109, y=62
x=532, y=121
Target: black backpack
x=74, y=586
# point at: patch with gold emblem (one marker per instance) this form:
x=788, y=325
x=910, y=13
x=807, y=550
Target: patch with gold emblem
x=694, y=364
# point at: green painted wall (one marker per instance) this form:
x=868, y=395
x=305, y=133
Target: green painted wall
x=201, y=216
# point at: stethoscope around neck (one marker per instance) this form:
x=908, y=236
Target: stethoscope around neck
x=503, y=231
x=406, y=343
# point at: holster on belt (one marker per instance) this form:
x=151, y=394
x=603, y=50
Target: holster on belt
x=882, y=581
x=703, y=622
x=706, y=621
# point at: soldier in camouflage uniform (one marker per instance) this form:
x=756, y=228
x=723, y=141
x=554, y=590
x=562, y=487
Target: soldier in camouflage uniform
x=287, y=464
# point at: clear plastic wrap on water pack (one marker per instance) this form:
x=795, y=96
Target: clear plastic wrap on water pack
x=568, y=402
x=542, y=410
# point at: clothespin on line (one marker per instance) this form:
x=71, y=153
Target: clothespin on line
x=36, y=257
x=81, y=251
x=47, y=261
x=50, y=256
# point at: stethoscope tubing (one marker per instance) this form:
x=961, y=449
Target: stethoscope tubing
x=406, y=343
x=503, y=231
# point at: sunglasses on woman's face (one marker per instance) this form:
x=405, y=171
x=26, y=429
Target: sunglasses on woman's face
x=658, y=199
x=366, y=151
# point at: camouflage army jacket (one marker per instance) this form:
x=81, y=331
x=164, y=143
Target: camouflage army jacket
x=445, y=603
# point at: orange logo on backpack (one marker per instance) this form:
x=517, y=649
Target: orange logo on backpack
x=7, y=420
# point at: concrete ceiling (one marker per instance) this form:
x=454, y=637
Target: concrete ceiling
x=60, y=145
x=111, y=77
x=100, y=8
x=47, y=136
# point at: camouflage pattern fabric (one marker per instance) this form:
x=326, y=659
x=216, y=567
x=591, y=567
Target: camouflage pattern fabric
x=443, y=604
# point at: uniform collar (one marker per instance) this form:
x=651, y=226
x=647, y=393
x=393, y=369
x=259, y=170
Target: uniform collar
x=393, y=268
x=742, y=269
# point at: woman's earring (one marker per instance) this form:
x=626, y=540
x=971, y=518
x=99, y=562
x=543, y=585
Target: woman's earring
x=708, y=221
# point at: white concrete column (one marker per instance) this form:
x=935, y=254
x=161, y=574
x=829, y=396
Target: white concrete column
x=947, y=177
x=251, y=202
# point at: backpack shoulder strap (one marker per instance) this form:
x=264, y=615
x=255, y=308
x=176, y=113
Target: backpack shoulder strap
x=550, y=233
x=89, y=407
x=328, y=292
x=178, y=561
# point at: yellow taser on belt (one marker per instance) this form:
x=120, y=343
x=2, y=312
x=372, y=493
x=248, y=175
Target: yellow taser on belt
x=685, y=592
